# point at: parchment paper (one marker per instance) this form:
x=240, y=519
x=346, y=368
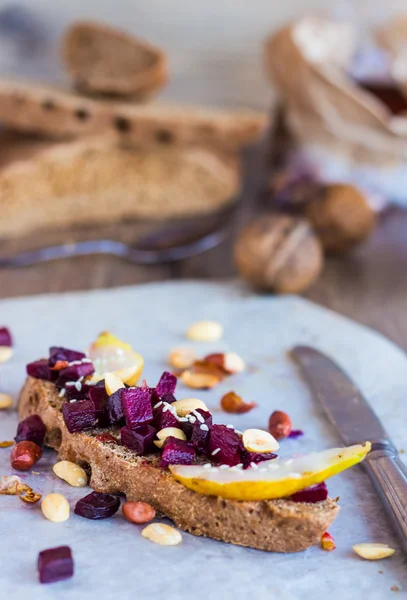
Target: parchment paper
x=112, y=560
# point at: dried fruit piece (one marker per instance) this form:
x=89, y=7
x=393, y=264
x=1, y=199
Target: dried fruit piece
x=166, y=385
x=97, y=506
x=177, y=452
x=31, y=429
x=230, y=362
x=163, y=434
x=138, y=512
x=55, y=564
x=187, y=405
x=39, y=369
x=25, y=455
x=162, y=534
x=370, y=551
x=181, y=358
x=199, y=381
x=224, y=445
x=327, y=542
x=55, y=508
x=26, y=494
x=6, y=444
x=234, y=404
x=316, y=493
x=257, y=440
x=5, y=337
x=79, y=416
x=279, y=425
x=139, y=439
x=137, y=409
x=10, y=483
x=5, y=401
x=112, y=383
x=71, y=473
x=205, y=331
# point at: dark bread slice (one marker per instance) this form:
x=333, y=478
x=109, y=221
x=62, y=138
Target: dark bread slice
x=105, y=60
x=274, y=525
x=54, y=112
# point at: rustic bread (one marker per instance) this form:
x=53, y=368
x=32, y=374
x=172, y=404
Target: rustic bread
x=105, y=60
x=274, y=525
x=95, y=180
x=53, y=112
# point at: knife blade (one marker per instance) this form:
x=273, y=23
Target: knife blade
x=356, y=422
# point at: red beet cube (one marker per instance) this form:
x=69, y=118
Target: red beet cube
x=224, y=445
x=254, y=457
x=177, y=452
x=39, y=369
x=163, y=417
x=166, y=385
x=97, y=506
x=57, y=353
x=73, y=373
x=99, y=398
x=313, y=494
x=5, y=337
x=55, y=564
x=137, y=408
x=79, y=416
x=31, y=429
x=201, y=429
x=114, y=407
x=140, y=440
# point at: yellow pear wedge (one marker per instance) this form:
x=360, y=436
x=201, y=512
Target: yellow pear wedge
x=111, y=355
x=271, y=479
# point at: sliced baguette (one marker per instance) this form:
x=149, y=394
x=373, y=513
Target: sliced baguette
x=105, y=60
x=33, y=108
x=275, y=525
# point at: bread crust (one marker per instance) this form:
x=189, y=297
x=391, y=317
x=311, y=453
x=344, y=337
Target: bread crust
x=274, y=525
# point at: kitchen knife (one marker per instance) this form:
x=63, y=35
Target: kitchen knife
x=356, y=423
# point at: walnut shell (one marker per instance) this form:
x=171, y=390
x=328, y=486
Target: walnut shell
x=279, y=253
x=341, y=217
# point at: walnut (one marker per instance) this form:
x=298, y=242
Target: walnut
x=341, y=217
x=279, y=253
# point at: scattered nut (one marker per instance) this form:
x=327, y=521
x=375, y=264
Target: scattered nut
x=205, y=331
x=229, y=361
x=28, y=495
x=232, y=403
x=279, y=425
x=257, y=440
x=5, y=401
x=181, y=358
x=71, y=473
x=162, y=534
x=138, y=512
x=112, y=383
x=185, y=406
x=327, y=542
x=24, y=455
x=6, y=352
x=199, y=381
x=373, y=551
x=6, y=444
x=55, y=508
x=169, y=432
x=10, y=484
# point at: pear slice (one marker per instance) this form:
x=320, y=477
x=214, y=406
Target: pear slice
x=276, y=478
x=111, y=355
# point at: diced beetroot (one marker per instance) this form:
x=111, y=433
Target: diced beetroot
x=97, y=506
x=254, y=457
x=80, y=415
x=137, y=409
x=167, y=384
x=72, y=392
x=5, y=337
x=114, y=407
x=140, y=440
x=39, y=369
x=99, y=398
x=31, y=429
x=168, y=398
x=224, y=445
x=55, y=564
x=295, y=433
x=313, y=494
x=74, y=373
x=200, y=430
x=177, y=452
x=164, y=418
x=57, y=353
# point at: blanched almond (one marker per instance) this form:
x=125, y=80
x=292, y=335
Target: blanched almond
x=373, y=551
x=5, y=401
x=205, y=331
x=71, y=473
x=6, y=352
x=181, y=358
x=112, y=383
x=162, y=534
x=199, y=381
x=55, y=508
x=163, y=434
x=185, y=406
x=257, y=440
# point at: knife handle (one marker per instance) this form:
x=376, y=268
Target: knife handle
x=389, y=477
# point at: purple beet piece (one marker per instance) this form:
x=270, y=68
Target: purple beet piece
x=162, y=417
x=199, y=435
x=167, y=384
x=313, y=494
x=57, y=353
x=72, y=393
x=74, y=373
x=80, y=415
x=140, y=440
x=137, y=408
x=114, y=407
x=39, y=369
x=5, y=337
x=31, y=429
x=55, y=564
x=97, y=506
x=228, y=442
x=254, y=457
x=169, y=398
x=99, y=398
x=177, y=452
x=295, y=433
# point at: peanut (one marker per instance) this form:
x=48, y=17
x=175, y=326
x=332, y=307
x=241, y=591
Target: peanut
x=6, y=352
x=169, y=432
x=257, y=440
x=55, y=508
x=181, y=358
x=5, y=401
x=138, y=512
x=205, y=331
x=24, y=455
x=279, y=425
x=185, y=406
x=199, y=381
x=71, y=473
x=162, y=534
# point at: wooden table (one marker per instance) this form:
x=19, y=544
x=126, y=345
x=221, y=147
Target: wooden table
x=221, y=67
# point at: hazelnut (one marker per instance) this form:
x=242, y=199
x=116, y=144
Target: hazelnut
x=279, y=425
x=24, y=455
x=279, y=253
x=138, y=512
x=341, y=217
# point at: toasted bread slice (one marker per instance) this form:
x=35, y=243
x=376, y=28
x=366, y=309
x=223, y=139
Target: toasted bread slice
x=33, y=108
x=105, y=60
x=274, y=525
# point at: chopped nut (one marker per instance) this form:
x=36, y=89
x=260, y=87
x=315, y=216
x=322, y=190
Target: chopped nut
x=232, y=403
x=112, y=383
x=327, y=542
x=162, y=534
x=371, y=551
x=229, y=361
x=5, y=401
x=9, y=485
x=138, y=512
x=205, y=331
x=185, y=406
x=55, y=508
x=279, y=424
x=6, y=444
x=169, y=432
x=25, y=455
x=71, y=473
x=199, y=381
x=257, y=440
x=6, y=352
x=28, y=495
x=181, y=358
